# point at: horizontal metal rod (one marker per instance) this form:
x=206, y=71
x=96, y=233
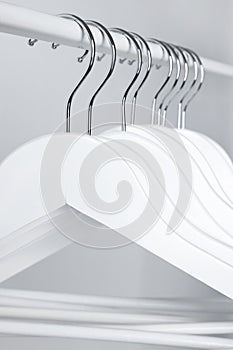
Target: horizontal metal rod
x=32, y=24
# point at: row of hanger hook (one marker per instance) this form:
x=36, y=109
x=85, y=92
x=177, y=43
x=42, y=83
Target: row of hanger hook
x=176, y=83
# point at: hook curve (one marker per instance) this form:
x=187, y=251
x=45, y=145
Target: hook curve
x=81, y=23
x=105, y=31
x=177, y=63
x=130, y=38
x=199, y=71
x=171, y=63
x=183, y=82
x=78, y=20
x=148, y=70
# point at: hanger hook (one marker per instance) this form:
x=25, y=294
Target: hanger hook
x=81, y=24
x=143, y=42
x=171, y=63
x=199, y=71
x=176, y=62
x=181, y=58
x=191, y=87
x=106, y=32
x=90, y=66
x=130, y=37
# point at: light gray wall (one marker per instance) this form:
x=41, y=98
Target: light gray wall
x=34, y=85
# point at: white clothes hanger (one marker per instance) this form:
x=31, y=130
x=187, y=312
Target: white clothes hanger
x=196, y=82
x=31, y=236
x=66, y=156
x=213, y=238
x=188, y=257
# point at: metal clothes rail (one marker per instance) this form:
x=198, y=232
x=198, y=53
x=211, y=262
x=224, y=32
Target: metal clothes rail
x=32, y=24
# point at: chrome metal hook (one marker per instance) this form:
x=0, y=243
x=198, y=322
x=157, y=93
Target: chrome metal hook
x=177, y=64
x=106, y=32
x=171, y=59
x=199, y=71
x=181, y=86
x=195, y=65
x=132, y=39
x=81, y=58
x=148, y=70
x=81, y=23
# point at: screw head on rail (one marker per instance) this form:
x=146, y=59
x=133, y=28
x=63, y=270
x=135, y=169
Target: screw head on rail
x=131, y=62
x=122, y=60
x=31, y=42
x=99, y=58
x=54, y=46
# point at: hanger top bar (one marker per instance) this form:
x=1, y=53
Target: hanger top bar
x=32, y=24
